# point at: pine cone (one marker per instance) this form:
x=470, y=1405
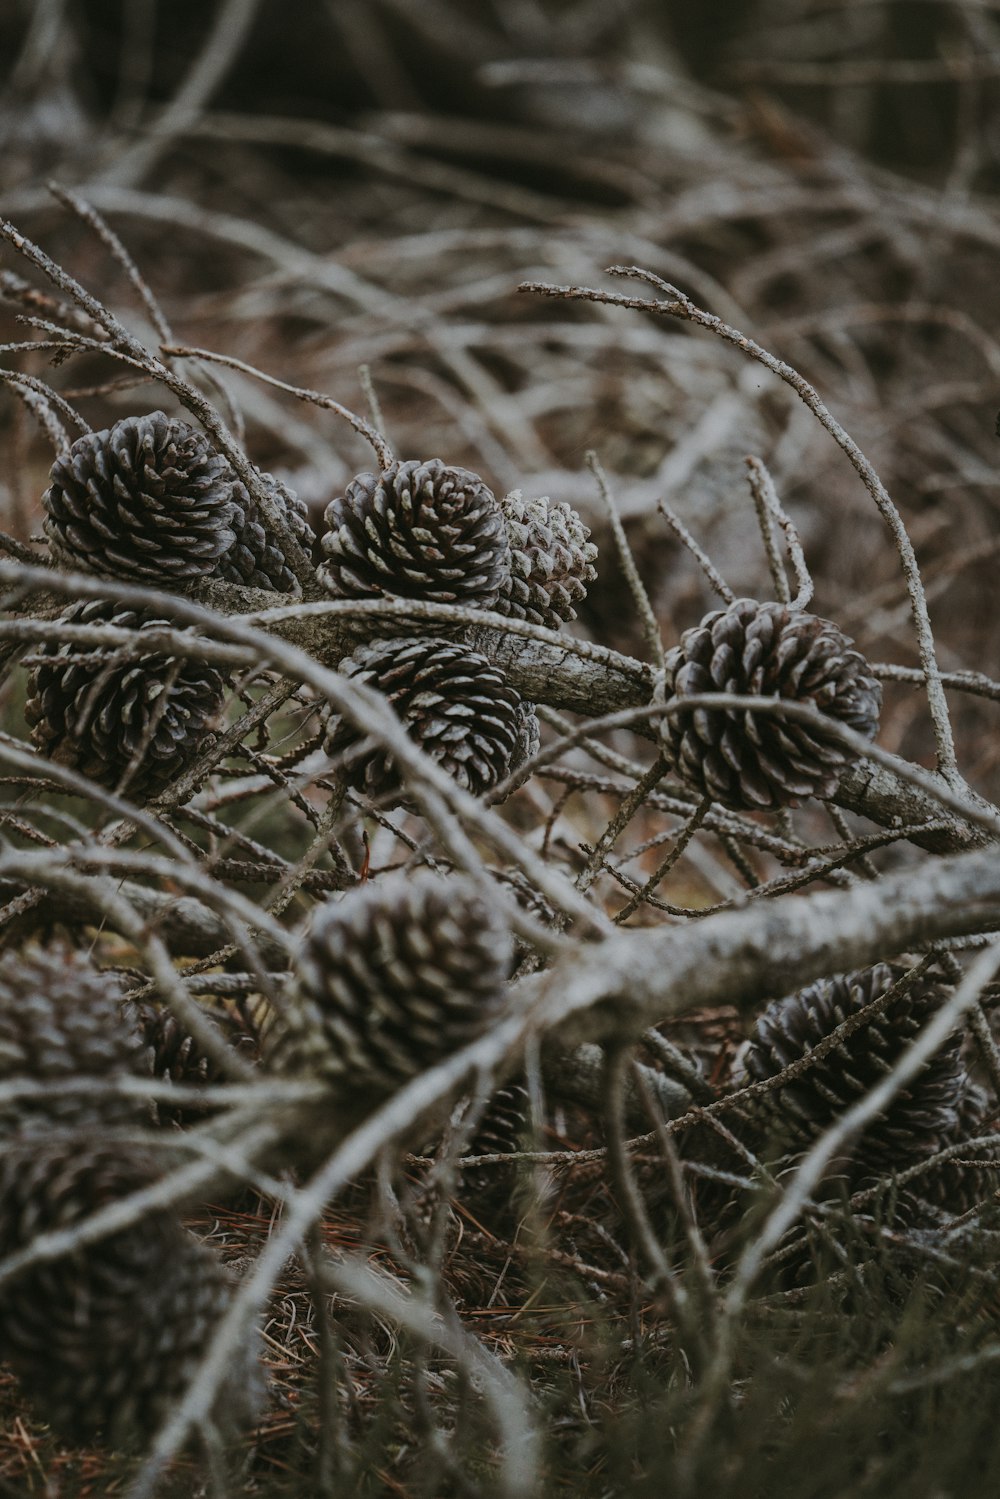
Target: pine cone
x=501, y=1132
x=256, y=558
x=61, y=1019
x=417, y=531
x=105, y=1340
x=919, y=1118
x=749, y=761
x=393, y=978
x=173, y=1055
x=837, y=1237
x=960, y=1184
x=454, y=703
x=106, y=713
x=552, y=561
x=149, y=500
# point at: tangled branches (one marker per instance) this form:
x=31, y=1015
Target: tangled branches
x=292, y=798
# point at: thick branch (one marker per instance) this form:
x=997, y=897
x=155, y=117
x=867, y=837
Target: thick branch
x=183, y=924
x=619, y=987
x=545, y=667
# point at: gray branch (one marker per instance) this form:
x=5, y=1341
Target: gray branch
x=544, y=666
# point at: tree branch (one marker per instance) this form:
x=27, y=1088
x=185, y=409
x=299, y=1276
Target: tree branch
x=543, y=665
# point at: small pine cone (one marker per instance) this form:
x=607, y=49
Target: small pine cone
x=501, y=1132
x=121, y=713
x=105, y=1340
x=552, y=561
x=256, y=558
x=173, y=1053
x=417, y=531
x=149, y=500
x=503, y=1123
x=751, y=761
x=61, y=1019
x=920, y=1116
x=393, y=978
x=455, y=704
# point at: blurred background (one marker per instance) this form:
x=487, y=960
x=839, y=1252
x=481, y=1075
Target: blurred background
x=329, y=185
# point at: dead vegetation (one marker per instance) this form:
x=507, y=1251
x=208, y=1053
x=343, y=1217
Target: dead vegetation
x=380, y=232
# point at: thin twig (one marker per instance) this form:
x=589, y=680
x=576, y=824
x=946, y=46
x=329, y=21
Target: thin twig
x=636, y=587
x=767, y=505
x=680, y=530
x=677, y=305
x=364, y=429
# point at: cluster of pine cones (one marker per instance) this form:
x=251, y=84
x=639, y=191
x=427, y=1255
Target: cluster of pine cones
x=390, y=978
x=104, y=1337
x=150, y=501
x=435, y=533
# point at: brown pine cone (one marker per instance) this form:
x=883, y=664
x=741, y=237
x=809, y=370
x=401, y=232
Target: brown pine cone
x=552, y=561
x=417, y=531
x=105, y=1340
x=920, y=1117
x=958, y=1185
x=455, y=704
x=256, y=558
x=61, y=1019
x=393, y=977
x=752, y=761
x=173, y=1055
x=106, y=713
x=501, y=1131
x=149, y=500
